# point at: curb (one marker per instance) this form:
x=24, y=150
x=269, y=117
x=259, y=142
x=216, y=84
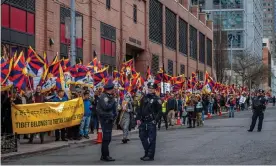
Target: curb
x=17, y=154
x=75, y=143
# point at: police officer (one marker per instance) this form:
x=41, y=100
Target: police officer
x=147, y=117
x=106, y=109
x=258, y=107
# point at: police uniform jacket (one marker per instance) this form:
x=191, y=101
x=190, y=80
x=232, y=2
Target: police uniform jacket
x=150, y=108
x=106, y=105
x=259, y=103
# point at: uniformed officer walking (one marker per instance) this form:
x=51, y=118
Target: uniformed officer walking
x=106, y=109
x=258, y=108
x=147, y=117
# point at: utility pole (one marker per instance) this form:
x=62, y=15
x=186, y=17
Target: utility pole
x=73, y=34
x=231, y=57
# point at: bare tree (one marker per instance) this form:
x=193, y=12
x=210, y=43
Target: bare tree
x=250, y=68
x=220, y=45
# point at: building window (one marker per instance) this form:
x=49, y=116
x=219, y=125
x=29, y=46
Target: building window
x=182, y=69
x=18, y=19
x=170, y=67
x=27, y=5
x=135, y=13
x=193, y=42
x=108, y=44
x=18, y=22
x=65, y=40
x=108, y=4
x=183, y=36
x=170, y=29
x=108, y=47
x=209, y=52
x=201, y=48
x=200, y=76
x=154, y=64
x=155, y=21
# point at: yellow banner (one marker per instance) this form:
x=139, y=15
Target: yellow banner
x=41, y=117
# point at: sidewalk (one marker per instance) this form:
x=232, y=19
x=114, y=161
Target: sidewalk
x=24, y=148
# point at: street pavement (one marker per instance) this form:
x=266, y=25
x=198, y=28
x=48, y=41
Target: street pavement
x=220, y=141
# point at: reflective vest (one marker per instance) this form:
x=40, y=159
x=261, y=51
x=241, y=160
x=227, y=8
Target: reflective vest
x=164, y=107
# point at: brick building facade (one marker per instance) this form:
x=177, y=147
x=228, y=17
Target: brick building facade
x=153, y=32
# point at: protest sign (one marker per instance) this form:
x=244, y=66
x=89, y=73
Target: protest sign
x=41, y=117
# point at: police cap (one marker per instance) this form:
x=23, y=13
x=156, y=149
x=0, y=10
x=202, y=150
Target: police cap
x=109, y=85
x=261, y=91
x=152, y=85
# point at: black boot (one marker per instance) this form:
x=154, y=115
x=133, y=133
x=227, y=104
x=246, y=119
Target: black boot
x=142, y=158
x=108, y=158
x=124, y=141
x=148, y=158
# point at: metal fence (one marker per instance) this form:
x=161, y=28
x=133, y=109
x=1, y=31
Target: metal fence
x=8, y=143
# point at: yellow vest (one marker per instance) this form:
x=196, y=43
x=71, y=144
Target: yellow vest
x=164, y=107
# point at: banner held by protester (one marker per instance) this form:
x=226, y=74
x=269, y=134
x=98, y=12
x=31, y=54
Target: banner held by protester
x=42, y=117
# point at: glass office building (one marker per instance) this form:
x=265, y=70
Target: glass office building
x=242, y=20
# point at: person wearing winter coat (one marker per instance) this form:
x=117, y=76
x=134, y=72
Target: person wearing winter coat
x=85, y=123
x=125, y=118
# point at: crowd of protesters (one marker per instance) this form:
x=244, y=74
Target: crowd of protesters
x=88, y=123
x=190, y=108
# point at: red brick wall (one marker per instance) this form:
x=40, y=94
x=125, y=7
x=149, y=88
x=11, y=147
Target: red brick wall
x=48, y=26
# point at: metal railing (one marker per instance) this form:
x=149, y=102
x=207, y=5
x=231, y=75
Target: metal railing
x=8, y=143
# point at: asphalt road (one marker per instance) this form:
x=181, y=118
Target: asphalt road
x=220, y=141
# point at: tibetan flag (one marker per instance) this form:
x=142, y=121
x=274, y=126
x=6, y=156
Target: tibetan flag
x=148, y=73
x=116, y=75
x=158, y=78
x=53, y=69
x=100, y=76
x=54, y=78
x=194, y=79
x=178, y=86
x=34, y=62
x=128, y=63
x=127, y=85
x=167, y=78
x=180, y=78
x=6, y=66
x=60, y=82
x=46, y=64
x=81, y=73
x=189, y=84
x=65, y=64
x=133, y=72
x=19, y=73
x=94, y=65
x=208, y=83
x=55, y=60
